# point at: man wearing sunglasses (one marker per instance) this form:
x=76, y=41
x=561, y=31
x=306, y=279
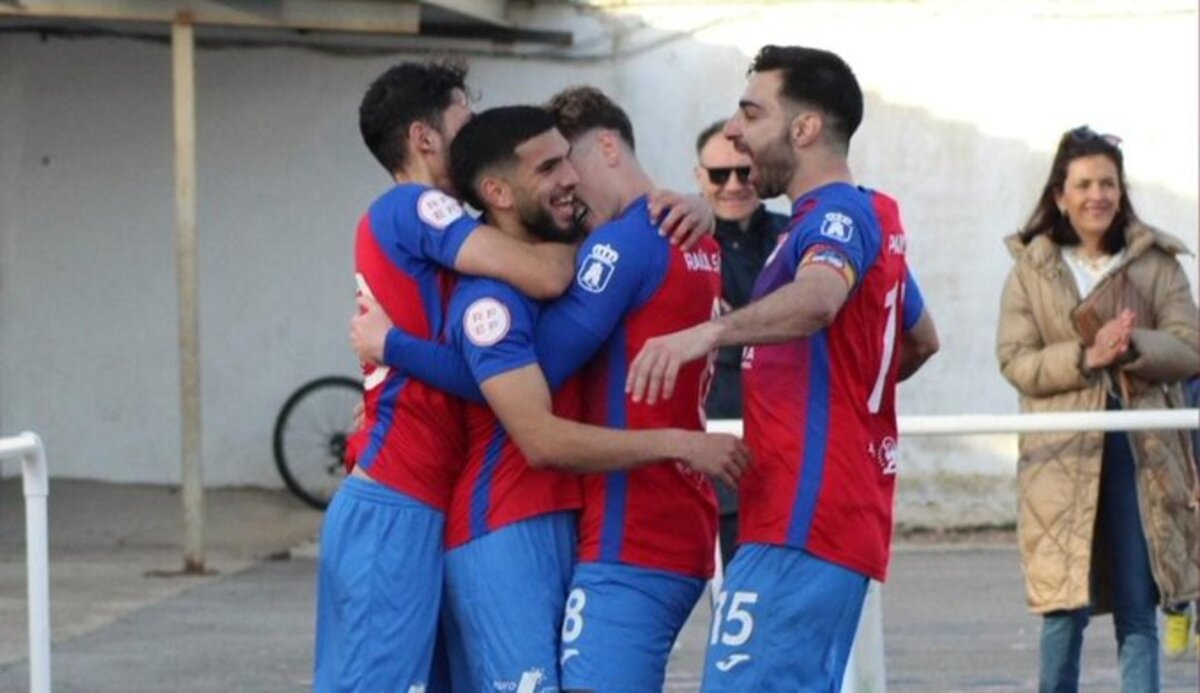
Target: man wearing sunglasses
x=747, y=233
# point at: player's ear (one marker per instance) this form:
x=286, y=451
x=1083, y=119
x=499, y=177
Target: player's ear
x=610, y=147
x=805, y=128
x=496, y=193
x=422, y=138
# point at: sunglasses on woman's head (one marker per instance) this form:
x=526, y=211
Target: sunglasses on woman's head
x=719, y=175
x=1084, y=133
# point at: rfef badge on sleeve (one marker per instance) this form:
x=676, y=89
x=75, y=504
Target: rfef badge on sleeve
x=438, y=209
x=486, y=322
x=598, y=268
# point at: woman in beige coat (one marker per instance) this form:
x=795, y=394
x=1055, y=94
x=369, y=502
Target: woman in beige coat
x=1106, y=521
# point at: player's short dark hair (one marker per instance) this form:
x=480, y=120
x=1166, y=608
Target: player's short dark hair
x=580, y=109
x=817, y=78
x=405, y=94
x=708, y=133
x=489, y=141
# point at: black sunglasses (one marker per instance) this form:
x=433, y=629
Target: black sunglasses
x=719, y=175
x=1084, y=133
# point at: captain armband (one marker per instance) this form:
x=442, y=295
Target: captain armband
x=831, y=257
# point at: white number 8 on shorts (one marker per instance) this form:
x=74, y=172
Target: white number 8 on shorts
x=573, y=615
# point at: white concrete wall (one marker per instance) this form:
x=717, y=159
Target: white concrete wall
x=964, y=107
x=965, y=104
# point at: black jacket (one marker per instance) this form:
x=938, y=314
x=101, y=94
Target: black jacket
x=743, y=254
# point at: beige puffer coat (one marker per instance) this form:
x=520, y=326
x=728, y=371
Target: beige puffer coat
x=1059, y=473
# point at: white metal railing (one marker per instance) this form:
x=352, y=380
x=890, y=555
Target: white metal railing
x=983, y=424
x=28, y=447
x=866, y=671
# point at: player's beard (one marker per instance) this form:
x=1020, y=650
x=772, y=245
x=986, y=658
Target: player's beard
x=539, y=222
x=775, y=167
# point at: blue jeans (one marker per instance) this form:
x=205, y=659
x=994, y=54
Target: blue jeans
x=1134, y=594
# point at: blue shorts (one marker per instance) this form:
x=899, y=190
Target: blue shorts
x=504, y=602
x=619, y=625
x=784, y=621
x=379, y=587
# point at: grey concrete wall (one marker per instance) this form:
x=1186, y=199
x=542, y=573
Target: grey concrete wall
x=964, y=106
x=88, y=294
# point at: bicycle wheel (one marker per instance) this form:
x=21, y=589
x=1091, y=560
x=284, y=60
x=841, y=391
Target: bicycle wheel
x=310, y=438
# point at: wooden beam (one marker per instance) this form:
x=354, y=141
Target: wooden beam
x=183, y=71
x=356, y=16
x=490, y=11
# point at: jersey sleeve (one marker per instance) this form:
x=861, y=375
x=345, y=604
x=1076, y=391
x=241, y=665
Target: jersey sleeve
x=914, y=302
x=433, y=363
x=440, y=226
x=834, y=236
x=620, y=267
x=494, y=328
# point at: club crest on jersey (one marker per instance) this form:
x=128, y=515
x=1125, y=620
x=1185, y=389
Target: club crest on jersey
x=837, y=226
x=438, y=209
x=598, y=268
x=486, y=322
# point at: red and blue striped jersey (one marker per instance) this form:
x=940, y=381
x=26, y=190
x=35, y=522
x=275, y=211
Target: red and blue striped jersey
x=492, y=325
x=820, y=411
x=412, y=437
x=631, y=285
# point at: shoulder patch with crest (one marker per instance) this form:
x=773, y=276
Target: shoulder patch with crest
x=837, y=226
x=438, y=209
x=486, y=322
x=598, y=268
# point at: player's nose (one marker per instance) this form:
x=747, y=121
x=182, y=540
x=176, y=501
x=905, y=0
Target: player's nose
x=570, y=176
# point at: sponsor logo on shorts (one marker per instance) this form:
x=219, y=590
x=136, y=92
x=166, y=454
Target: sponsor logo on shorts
x=732, y=661
x=438, y=209
x=598, y=268
x=530, y=682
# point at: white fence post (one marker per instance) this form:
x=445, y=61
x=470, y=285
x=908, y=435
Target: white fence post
x=28, y=446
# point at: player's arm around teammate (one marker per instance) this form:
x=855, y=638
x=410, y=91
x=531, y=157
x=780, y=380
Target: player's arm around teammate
x=799, y=309
x=521, y=400
x=545, y=270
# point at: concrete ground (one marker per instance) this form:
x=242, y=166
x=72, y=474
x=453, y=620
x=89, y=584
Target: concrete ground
x=954, y=616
